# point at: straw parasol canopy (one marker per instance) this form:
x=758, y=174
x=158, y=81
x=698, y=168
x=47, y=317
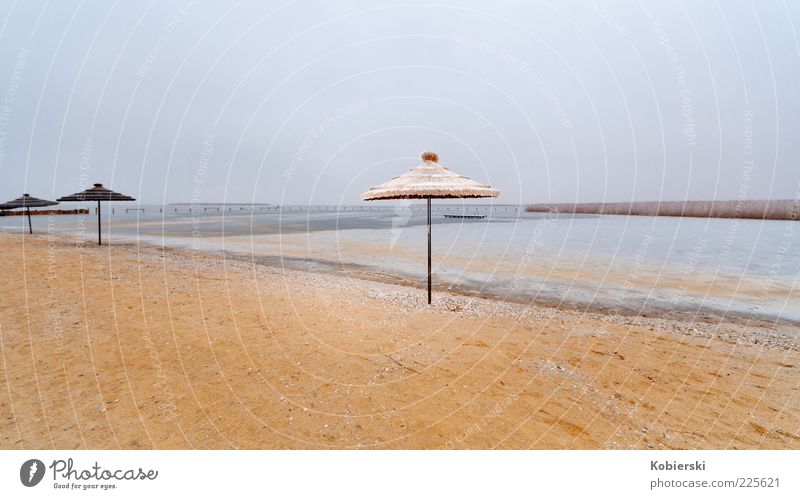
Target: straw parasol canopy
x=27, y=201
x=429, y=180
x=97, y=193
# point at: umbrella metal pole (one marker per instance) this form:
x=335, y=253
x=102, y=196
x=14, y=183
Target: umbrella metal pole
x=99, y=226
x=429, y=251
x=30, y=227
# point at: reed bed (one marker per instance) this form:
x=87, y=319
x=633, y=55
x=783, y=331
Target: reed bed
x=774, y=209
x=77, y=211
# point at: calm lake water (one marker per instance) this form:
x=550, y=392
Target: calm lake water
x=661, y=266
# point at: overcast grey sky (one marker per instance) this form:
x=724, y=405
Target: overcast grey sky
x=316, y=101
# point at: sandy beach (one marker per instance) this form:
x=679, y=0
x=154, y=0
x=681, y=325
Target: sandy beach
x=139, y=347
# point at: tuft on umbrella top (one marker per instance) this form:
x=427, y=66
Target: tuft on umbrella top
x=97, y=193
x=429, y=180
x=27, y=201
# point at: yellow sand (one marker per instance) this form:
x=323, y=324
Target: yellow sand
x=126, y=347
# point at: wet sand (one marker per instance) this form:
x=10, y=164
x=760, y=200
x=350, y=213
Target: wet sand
x=139, y=347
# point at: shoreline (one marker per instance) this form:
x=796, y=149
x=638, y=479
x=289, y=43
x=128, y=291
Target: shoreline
x=139, y=346
x=703, y=320
x=653, y=308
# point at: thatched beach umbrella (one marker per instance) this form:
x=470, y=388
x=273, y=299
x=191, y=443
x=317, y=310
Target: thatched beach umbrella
x=429, y=180
x=27, y=201
x=97, y=193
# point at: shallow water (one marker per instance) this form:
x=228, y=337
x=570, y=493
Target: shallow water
x=646, y=265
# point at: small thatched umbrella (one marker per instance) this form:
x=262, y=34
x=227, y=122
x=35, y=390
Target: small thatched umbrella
x=97, y=193
x=427, y=181
x=27, y=201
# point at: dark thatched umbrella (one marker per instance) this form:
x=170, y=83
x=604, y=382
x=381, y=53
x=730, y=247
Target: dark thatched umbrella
x=27, y=201
x=430, y=180
x=97, y=193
